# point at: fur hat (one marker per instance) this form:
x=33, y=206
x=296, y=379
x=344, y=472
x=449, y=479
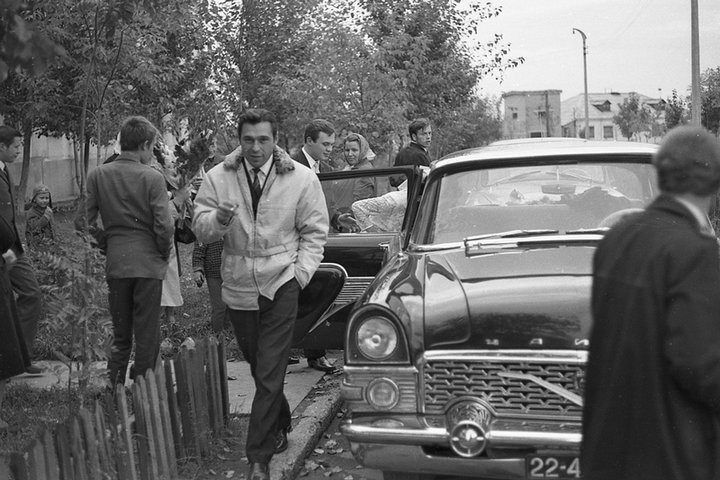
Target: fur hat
x=40, y=188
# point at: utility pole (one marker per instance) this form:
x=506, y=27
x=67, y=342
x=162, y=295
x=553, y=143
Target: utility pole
x=695, y=101
x=587, y=107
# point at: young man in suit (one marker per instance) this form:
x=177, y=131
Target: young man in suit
x=273, y=220
x=416, y=153
x=22, y=274
x=319, y=142
x=131, y=199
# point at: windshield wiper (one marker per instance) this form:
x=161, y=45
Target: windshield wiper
x=587, y=230
x=511, y=234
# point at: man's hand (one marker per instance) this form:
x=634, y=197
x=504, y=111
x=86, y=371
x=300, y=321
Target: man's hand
x=199, y=278
x=226, y=212
x=347, y=223
x=9, y=257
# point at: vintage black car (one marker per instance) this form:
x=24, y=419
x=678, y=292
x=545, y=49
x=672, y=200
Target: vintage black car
x=465, y=355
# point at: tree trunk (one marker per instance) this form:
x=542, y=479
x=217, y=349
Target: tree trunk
x=22, y=187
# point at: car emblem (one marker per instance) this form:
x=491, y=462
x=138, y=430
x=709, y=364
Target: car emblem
x=557, y=389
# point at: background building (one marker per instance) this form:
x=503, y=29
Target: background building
x=603, y=107
x=530, y=114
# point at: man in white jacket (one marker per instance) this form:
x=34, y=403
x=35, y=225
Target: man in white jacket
x=272, y=215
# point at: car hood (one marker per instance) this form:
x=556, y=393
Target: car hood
x=518, y=299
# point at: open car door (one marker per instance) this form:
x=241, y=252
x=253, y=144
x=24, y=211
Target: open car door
x=383, y=202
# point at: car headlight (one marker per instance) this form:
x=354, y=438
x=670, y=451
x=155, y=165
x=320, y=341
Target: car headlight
x=377, y=338
x=382, y=394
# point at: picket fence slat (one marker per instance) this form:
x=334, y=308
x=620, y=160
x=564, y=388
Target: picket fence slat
x=126, y=461
x=164, y=414
x=77, y=450
x=52, y=468
x=174, y=411
x=62, y=446
x=155, y=420
x=36, y=461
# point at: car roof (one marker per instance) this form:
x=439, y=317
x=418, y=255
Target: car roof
x=546, y=147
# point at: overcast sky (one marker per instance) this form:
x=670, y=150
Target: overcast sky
x=633, y=45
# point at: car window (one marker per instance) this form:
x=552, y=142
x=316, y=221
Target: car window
x=558, y=197
x=377, y=202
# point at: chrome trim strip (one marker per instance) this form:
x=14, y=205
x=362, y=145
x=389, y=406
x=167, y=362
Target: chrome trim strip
x=569, y=356
x=439, y=436
x=352, y=289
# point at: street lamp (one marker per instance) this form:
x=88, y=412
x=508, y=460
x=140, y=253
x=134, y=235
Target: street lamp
x=587, y=108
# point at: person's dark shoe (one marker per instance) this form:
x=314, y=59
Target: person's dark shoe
x=321, y=364
x=293, y=360
x=33, y=370
x=281, y=441
x=259, y=471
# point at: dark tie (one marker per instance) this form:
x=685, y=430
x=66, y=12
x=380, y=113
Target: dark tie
x=257, y=188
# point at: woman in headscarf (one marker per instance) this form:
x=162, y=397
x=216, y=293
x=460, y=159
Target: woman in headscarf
x=356, y=150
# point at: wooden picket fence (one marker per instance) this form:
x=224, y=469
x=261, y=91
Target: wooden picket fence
x=176, y=411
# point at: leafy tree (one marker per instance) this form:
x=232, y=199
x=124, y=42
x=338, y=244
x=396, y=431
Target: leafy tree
x=21, y=46
x=676, y=111
x=710, y=97
x=633, y=117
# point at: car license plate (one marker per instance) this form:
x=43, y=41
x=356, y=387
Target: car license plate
x=559, y=467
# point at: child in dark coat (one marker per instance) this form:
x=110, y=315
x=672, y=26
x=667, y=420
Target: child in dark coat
x=39, y=226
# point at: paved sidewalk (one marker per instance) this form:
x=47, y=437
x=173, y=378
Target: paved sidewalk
x=312, y=410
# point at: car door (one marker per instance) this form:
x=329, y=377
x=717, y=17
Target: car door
x=351, y=260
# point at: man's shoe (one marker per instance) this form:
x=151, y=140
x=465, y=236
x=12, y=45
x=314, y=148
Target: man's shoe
x=259, y=471
x=321, y=364
x=293, y=360
x=33, y=370
x=281, y=441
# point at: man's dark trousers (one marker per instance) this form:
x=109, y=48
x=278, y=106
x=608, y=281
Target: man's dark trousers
x=29, y=298
x=134, y=307
x=265, y=336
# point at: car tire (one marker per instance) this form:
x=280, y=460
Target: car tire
x=405, y=476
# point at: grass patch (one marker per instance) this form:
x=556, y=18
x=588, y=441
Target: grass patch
x=29, y=410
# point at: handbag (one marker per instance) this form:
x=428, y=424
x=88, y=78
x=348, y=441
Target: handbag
x=183, y=232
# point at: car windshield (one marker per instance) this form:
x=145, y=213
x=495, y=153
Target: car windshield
x=563, y=197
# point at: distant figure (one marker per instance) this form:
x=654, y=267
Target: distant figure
x=39, y=229
x=416, y=153
x=206, y=261
x=131, y=199
x=652, y=397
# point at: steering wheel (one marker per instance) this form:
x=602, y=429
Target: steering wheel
x=616, y=216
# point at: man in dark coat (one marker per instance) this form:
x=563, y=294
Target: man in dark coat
x=22, y=275
x=652, y=399
x=416, y=153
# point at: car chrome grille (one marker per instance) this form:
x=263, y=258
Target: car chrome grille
x=446, y=380
x=353, y=288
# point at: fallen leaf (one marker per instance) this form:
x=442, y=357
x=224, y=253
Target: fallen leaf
x=331, y=444
x=319, y=451
x=212, y=472
x=229, y=473
x=348, y=477
x=221, y=457
x=311, y=466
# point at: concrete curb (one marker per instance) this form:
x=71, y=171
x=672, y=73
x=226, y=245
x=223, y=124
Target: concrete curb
x=315, y=417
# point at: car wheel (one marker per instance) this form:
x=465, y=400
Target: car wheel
x=405, y=476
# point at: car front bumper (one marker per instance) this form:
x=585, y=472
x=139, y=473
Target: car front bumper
x=408, y=444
